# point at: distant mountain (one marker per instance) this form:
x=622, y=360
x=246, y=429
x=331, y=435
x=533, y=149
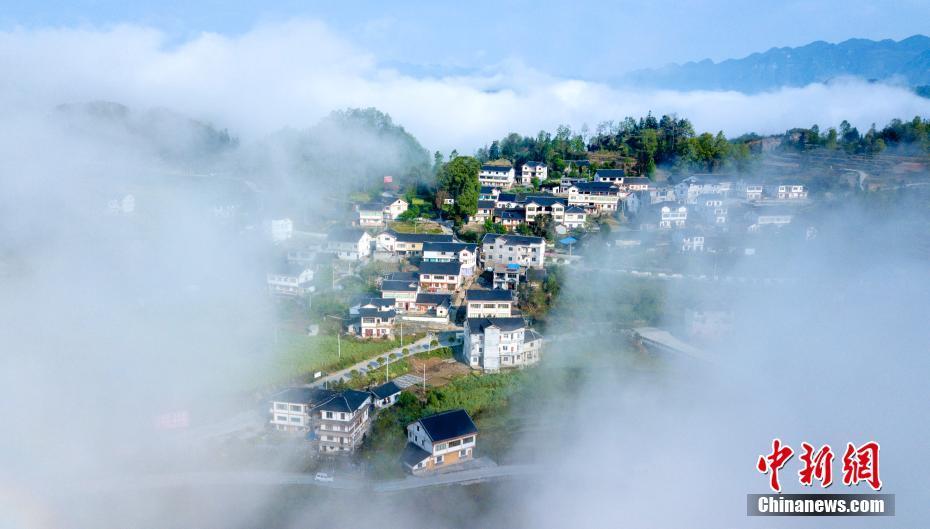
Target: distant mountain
x=907, y=60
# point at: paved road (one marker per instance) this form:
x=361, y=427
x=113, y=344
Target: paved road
x=463, y=477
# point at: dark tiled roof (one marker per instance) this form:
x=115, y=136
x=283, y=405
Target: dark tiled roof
x=544, y=200
x=448, y=425
x=510, y=239
x=489, y=295
x=345, y=235
x=512, y=214
x=534, y=164
x=420, y=237
x=425, y=298
x=574, y=209
x=504, y=324
x=504, y=168
x=302, y=395
x=452, y=268
x=401, y=276
x=636, y=180
x=376, y=313
x=385, y=390
x=398, y=286
x=596, y=187
x=347, y=401
x=610, y=173
x=508, y=197
x=486, y=204
x=413, y=455
x=448, y=246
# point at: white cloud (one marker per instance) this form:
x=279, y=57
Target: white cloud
x=293, y=73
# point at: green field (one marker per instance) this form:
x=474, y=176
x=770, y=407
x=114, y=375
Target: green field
x=419, y=227
x=299, y=356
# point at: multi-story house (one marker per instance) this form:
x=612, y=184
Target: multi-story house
x=575, y=217
x=408, y=243
x=402, y=287
x=376, y=321
x=489, y=303
x=432, y=305
x=342, y=421
x=596, y=197
x=789, y=192
x=446, y=252
x=531, y=170
x=636, y=184
x=692, y=241
x=508, y=201
x=377, y=213
x=438, y=441
x=492, y=344
x=281, y=229
x=488, y=193
x=513, y=249
x=753, y=192
x=670, y=217
x=510, y=218
x=291, y=408
x=693, y=187
x=770, y=216
x=291, y=280
x=485, y=211
x=501, y=176
x=613, y=176
x=545, y=205
x=508, y=276
x=349, y=244
x=440, y=277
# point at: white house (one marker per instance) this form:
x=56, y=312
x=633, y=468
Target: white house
x=575, y=217
x=497, y=175
x=342, y=421
x=385, y=395
x=438, y=441
x=291, y=279
x=377, y=213
x=440, y=277
x=281, y=229
x=349, y=244
x=290, y=409
x=672, y=217
x=408, y=243
x=596, y=197
x=531, y=170
x=445, y=252
x=489, y=303
x=492, y=344
x=507, y=249
x=613, y=176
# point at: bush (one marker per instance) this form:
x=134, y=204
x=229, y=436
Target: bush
x=434, y=343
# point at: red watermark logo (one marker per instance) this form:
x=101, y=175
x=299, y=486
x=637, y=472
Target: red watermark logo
x=859, y=464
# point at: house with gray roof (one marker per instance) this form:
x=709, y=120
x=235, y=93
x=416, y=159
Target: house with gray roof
x=492, y=344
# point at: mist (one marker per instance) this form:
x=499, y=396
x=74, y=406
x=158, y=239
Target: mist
x=114, y=318
x=293, y=73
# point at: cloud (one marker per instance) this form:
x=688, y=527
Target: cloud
x=293, y=73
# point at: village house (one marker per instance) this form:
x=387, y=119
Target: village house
x=768, y=217
x=671, y=217
x=508, y=201
x=485, y=211
x=291, y=280
x=440, y=277
x=431, y=305
x=489, y=303
x=788, y=192
x=291, y=408
x=510, y=218
x=281, y=229
x=513, y=249
x=408, y=243
x=691, y=241
x=368, y=302
x=492, y=344
x=545, y=205
x=349, y=244
x=385, y=395
x=342, y=421
x=531, y=170
x=714, y=208
x=377, y=213
x=613, y=176
x=690, y=189
x=445, y=252
x=402, y=289
x=636, y=184
x=375, y=320
x=488, y=193
x=439, y=441
x=662, y=193
x=501, y=176
x=596, y=197
x=508, y=276
x=575, y=217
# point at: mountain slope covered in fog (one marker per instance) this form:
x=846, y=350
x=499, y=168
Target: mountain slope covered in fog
x=907, y=60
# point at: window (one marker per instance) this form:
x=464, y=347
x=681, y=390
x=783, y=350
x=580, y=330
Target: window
x=438, y=460
x=441, y=446
x=280, y=418
x=280, y=406
x=453, y=444
x=463, y=453
x=469, y=439
x=295, y=419
x=295, y=407
x=328, y=414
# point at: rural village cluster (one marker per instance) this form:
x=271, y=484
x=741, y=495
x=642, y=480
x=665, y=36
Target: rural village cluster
x=466, y=295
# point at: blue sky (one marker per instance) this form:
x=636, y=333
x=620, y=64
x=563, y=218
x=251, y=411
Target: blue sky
x=584, y=39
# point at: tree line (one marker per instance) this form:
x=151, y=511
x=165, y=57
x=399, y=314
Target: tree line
x=913, y=135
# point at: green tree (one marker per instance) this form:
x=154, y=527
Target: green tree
x=459, y=179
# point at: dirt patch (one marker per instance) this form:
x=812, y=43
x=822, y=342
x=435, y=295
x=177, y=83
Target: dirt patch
x=439, y=371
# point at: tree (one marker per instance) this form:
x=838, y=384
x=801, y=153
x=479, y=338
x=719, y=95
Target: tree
x=493, y=227
x=494, y=153
x=459, y=179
